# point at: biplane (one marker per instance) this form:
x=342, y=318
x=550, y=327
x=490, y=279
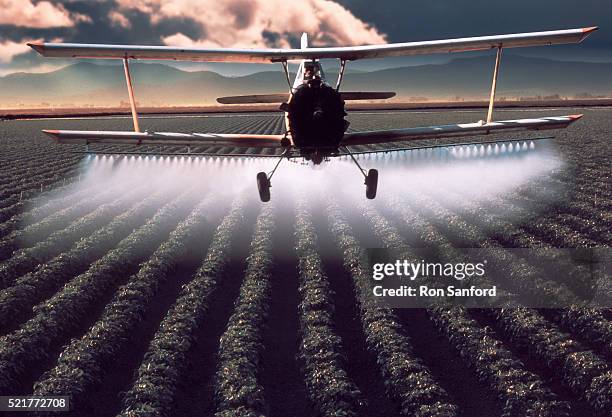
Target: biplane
x=315, y=124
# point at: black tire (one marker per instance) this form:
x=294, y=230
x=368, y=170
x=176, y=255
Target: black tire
x=263, y=186
x=371, y=183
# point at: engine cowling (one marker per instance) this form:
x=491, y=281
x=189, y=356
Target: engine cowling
x=316, y=116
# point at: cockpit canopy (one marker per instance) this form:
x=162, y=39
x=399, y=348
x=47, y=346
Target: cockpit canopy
x=313, y=71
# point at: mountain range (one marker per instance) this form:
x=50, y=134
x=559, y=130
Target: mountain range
x=86, y=83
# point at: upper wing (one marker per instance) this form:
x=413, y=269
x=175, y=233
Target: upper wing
x=165, y=138
x=76, y=50
x=456, y=130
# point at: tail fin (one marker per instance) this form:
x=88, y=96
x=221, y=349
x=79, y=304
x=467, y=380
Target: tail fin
x=304, y=41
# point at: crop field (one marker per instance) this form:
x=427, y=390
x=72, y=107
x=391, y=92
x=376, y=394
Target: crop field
x=161, y=286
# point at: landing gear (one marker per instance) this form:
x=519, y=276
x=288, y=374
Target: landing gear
x=371, y=183
x=263, y=186
x=371, y=178
x=264, y=180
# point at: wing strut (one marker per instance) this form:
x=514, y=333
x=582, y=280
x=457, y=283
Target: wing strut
x=286, y=69
x=341, y=73
x=363, y=171
x=128, y=81
x=494, y=84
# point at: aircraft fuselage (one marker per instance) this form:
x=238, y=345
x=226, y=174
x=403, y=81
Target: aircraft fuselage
x=315, y=114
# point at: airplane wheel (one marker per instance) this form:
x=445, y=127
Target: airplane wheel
x=371, y=183
x=263, y=186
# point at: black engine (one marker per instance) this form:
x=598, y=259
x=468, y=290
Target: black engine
x=316, y=118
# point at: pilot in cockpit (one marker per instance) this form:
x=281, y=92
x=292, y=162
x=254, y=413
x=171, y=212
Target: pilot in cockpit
x=309, y=72
x=312, y=73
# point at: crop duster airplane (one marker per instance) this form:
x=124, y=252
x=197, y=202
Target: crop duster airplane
x=316, y=128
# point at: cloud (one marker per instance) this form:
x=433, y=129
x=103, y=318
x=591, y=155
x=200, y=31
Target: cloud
x=8, y=49
x=179, y=39
x=257, y=23
x=43, y=14
x=118, y=19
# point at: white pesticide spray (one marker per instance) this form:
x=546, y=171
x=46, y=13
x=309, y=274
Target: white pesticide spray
x=485, y=170
x=473, y=172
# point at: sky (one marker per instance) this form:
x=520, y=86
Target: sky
x=279, y=23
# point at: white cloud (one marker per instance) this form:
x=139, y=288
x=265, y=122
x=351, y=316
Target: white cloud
x=242, y=23
x=43, y=14
x=179, y=39
x=8, y=49
x=119, y=19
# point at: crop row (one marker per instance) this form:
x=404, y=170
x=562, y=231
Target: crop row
x=237, y=388
x=406, y=378
x=25, y=237
x=265, y=125
x=25, y=174
x=56, y=317
x=34, y=183
x=581, y=370
x=33, y=169
x=521, y=392
x=588, y=323
x=11, y=208
x=520, y=276
x=580, y=163
x=35, y=194
x=582, y=183
x=497, y=229
x=256, y=124
x=14, y=216
x=567, y=204
x=22, y=185
x=475, y=226
x=590, y=190
x=82, y=363
x=9, y=212
x=418, y=226
x=329, y=387
x=541, y=226
x=166, y=359
x=524, y=278
x=48, y=277
x=596, y=228
x=24, y=260
x=32, y=152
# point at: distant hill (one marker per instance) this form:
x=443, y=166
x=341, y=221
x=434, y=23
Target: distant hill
x=161, y=85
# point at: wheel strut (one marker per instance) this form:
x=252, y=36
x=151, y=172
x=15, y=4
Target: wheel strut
x=263, y=180
x=363, y=171
x=280, y=159
x=371, y=177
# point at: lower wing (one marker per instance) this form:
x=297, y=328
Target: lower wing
x=457, y=130
x=274, y=141
x=164, y=138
